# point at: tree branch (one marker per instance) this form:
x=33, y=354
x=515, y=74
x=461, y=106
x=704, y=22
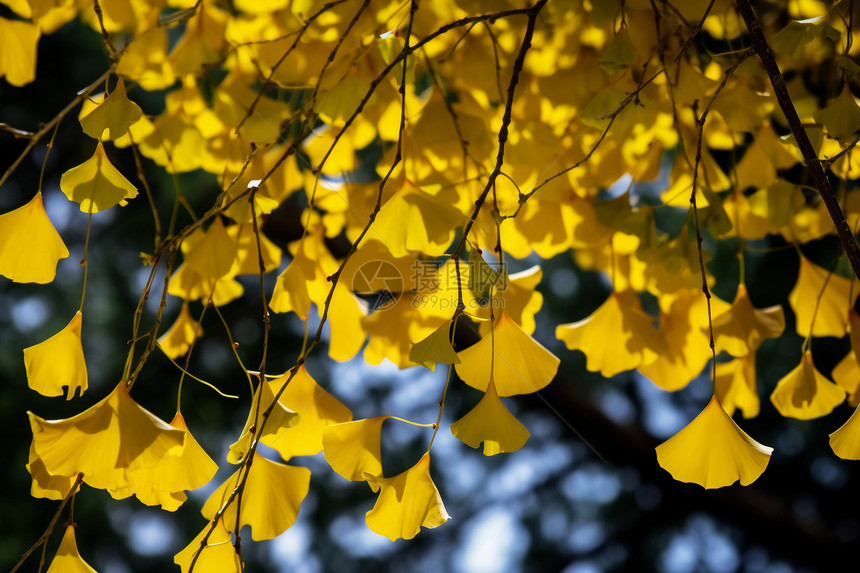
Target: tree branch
x=780, y=90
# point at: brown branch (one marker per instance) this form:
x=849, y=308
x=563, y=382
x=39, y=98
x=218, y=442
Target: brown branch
x=810, y=158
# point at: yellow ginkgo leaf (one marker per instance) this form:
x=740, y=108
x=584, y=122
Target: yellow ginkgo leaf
x=713, y=451
x=212, y=256
x=847, y=375
x=635, y=340
x=271, y=499
x=68, y=559
x=841, y=117
x=280, y=419
x=44, y=485
x=845, y=442
x=492, y=423
x=106, y=442
x=218, y=556
x=406, y=502
x=188, y=284
x=520, y=364
x=829, y=315
x=114, y=115
x=804, y=393
x=435, y=348
x=316, y=409
x=415, y=221
x=352, y=449
x=687, y=350
x=18, y=41
x=247, y=258
x=518, y=297
x=179, y=337
x=735, y=386
x=741, y=329
x=178, y=471
x=291, y=289
x=620, y=54
x=30, y=247
x=58, y=362
x=96, y=184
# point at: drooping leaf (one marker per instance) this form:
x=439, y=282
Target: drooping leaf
x=406, y=502
x=493, y=424
x=713, y=451
x=58, y=362
x=96, y=184
x=271, y=499
x=30, y=247
x=114, y=115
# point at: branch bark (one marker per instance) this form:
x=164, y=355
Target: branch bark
x=762, y=49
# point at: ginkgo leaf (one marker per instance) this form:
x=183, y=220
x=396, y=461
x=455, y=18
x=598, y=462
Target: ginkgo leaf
x=18, y=41
x=841, y=117
x=352, y=449
x=114, y=115
x=247, y=258
x=45, y=485
x=96, y=184
x=278, y=420
x=58, y=362
x=415, y=221
x=106, y=442
x=217, y=556
x=735, y=386
x=271, y=499
x=829, y=315
x=846, y=374
x=212, y=256
x=713, y=451
x=493, y=424
x=620, y=54
x=178, y=471
x=635, y=340
x=68, y=559
x=181, y=334
x=686, y=350
x=291, y=289
x=518, y=297
x=520, y=364
x=30, y=247
x=741, y=329
x=845, y=442
x=804, y=393
x=435, y=348
x=188, y=284
x=406, y=502
x=316, y=410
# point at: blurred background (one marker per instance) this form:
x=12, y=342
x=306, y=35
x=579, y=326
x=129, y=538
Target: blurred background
x=584, y=495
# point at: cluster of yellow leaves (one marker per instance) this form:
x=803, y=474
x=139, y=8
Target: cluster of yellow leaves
x=307, y=87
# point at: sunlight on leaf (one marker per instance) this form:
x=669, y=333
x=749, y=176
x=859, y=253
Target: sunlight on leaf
x=520, y=364
x=96, y=184
x=713, y=451
x=493, y=424
x=58, y=362
x=805, y=393
x=406, y=502
x=68, y=559
x=106, y=442
x=30, y=247
x=271, y=499
x=218, y=556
